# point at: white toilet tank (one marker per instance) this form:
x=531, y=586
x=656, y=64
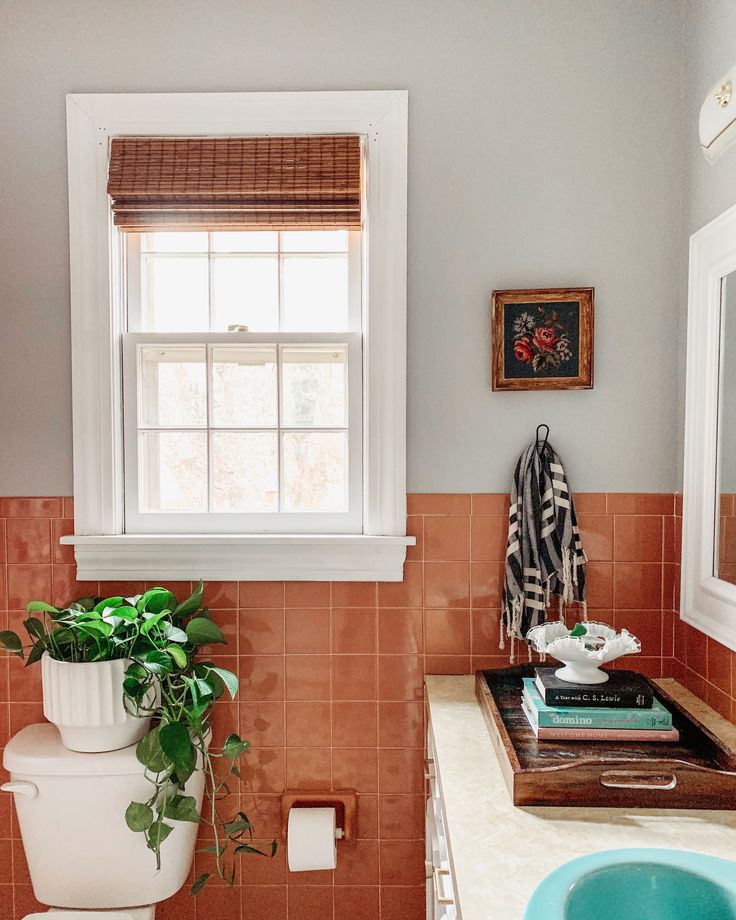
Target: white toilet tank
x=71, y=812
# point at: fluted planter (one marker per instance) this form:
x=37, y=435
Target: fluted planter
x=85, y=702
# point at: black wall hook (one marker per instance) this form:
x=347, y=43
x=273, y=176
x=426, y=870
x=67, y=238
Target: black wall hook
x=540, y=451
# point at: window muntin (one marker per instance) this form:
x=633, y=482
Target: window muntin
x=257, y=431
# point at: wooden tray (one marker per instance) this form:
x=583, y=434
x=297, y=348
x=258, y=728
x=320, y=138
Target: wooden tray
x=697, y=772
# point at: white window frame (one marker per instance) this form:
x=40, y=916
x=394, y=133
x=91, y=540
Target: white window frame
x=102, y=549
x=708, y=603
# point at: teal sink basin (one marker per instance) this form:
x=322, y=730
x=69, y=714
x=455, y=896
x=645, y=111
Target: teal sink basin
x=642, y=884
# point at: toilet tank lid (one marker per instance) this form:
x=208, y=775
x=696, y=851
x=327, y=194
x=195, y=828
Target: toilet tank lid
x=37, y=751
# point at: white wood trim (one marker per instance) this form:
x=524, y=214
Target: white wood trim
x=242, y=557
x=97, y=278
x=708, y=603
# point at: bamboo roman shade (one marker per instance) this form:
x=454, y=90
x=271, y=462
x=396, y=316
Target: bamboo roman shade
x=236, y=183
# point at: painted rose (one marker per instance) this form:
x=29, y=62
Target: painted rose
x=523, y=351
x=545, y=338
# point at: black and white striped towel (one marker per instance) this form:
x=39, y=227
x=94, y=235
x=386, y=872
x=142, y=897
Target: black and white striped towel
x=544, y=555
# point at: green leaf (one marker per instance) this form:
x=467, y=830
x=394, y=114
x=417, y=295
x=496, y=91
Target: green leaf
x=192, y=603
x=152, y=621
x=35, y=627
x=229, y=679
x=155, y=600
x=157, y=662
x=177, y=746
x=138, y=817
x=36, y=653
x=157, y=834
x=150, y=753
x=136, y=670
x=238, y=827
x=578, y=630
x=178, y=654
x=246, y=848
x=199, y=884
x=234, y=747
x=41, y=607
x=10, y=641
x=174, y=634
x=110, y=603
x=182, y=808
x=202, y=631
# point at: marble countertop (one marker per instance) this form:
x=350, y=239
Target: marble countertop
x=500, y=852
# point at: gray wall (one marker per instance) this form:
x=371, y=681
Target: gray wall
x=545, y=150
x=710, y=188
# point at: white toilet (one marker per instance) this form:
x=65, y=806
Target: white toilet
x=83, y=860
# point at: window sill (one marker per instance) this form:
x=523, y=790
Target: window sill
x=241, y=557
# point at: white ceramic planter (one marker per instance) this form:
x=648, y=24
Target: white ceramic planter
x=85, y=702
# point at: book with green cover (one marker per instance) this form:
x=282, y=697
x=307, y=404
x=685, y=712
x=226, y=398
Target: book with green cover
x=657, y=717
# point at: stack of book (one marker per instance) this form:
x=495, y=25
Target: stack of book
x=622, y=709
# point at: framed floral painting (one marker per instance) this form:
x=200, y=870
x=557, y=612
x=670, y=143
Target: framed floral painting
x=543, y=339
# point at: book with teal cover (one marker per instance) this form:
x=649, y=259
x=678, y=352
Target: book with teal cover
x=583, y=717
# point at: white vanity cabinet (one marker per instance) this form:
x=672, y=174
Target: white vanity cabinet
x=440, y=882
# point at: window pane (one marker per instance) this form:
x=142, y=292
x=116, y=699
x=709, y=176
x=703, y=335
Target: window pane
x=246, y=292
x=173, y=242
x=245, y=241
x=315, y=471
x=245, y=471
x=173, y=468
x=315, y=293
x=176, y=297
x=314, y=241
x=245, y=393
x=173, y=386
x=314, y=386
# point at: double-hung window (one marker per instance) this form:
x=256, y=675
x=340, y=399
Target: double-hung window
x=242, y=371
x=251, y=422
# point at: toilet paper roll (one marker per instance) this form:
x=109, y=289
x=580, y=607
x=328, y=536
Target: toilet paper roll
x=310, y=841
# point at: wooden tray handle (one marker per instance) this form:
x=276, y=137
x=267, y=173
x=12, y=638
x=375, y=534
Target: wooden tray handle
x=637, y=779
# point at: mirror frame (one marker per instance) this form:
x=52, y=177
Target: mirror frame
x=707, y=603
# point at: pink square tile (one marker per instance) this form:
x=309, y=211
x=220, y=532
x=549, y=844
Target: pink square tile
x=308, y=724
x=355, y=768
x=447, y=537
x=400, y=630
x=28, y=540
x=261, y=677
x=354, y=724
x=354, y=629
x=262, y=723
x=438, y=503
x=401, y=770
x=261, y=631
x=358, y=865
x=308, y=631
x=261, y=593
x=307, y=594
x=307, y=677
x=28, y=583
x=400, y=677
x=400, y=725
x=490, y=503
x=30, y=507
x=354, y=593
x=308, y=768
x=447, y=584
x=489, y=536
x=401, y=817
x=447, y=632
x=354, y=677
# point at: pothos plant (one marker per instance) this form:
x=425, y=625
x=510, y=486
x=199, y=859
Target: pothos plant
x=163, y=638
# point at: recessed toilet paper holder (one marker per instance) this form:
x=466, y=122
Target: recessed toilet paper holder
x=345, y=803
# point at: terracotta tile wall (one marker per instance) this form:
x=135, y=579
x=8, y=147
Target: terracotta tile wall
x=703, y=665
x=331, y=681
